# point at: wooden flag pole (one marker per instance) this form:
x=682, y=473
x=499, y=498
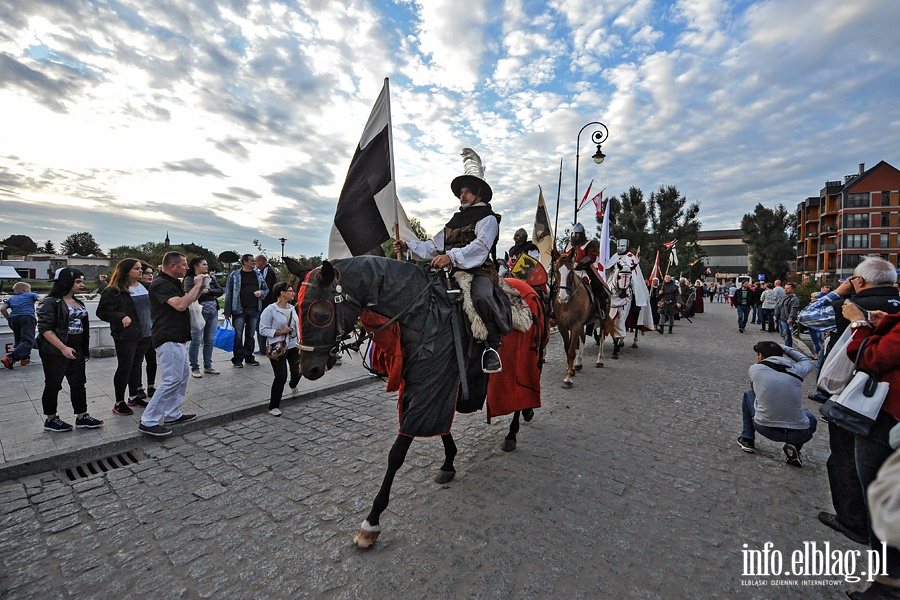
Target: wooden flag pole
x=387, y=86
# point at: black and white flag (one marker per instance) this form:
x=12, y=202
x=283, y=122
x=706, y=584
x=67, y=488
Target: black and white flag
x=368, y=206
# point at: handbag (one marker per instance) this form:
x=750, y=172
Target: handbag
x=197, y=320
x=276, y=350
x=224, y=338
x=837, y=370
x=857, y=406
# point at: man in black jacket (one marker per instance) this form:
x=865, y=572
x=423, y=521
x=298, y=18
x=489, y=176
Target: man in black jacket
x=872, y=288
x=669, y=303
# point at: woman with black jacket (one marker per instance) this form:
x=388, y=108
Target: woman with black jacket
x=120, y=307
x=63, y=344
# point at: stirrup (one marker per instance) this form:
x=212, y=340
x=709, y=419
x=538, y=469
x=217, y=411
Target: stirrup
x=490, y=361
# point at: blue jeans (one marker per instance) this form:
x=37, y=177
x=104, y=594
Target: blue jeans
x=755, y=317
x=204, y=336
x=245, y=327
x=785, y=329
x=816, y=340
x=23, y=328
x=871, y=452
x=742, y=312
x=796, y=437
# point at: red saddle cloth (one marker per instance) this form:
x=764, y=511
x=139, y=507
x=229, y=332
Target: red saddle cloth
x=386, y=356
x=518, y=385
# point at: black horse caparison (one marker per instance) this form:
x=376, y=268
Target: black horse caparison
x=329, y=303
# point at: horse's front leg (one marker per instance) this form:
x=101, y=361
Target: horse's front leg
x=447, y=472
x=509, y=444
x=599, y=362
x=567, y=338
x=578, y=363
x=370, y=529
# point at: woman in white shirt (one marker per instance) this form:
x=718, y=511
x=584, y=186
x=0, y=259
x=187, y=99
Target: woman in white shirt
x=278, y=324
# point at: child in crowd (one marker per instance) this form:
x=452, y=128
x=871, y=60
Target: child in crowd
x=19, y=311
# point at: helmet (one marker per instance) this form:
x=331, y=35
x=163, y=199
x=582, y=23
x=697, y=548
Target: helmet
x=520, y=233
x=579, y=228
x=622, y=246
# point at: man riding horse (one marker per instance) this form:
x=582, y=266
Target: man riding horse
x=468, y=242
x=584, y=253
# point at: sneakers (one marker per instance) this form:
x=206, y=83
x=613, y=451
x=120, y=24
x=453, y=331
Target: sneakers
x=155, y=430
x=121, y=408
x=180, y=420
x=253, y=362
x=7, y=362
x=136, y=400
x=275, y=412
x=295, y=392
x=56, y=424
x=238, y=365
x=747, y=445
x=211, y=371
x=141, y=394
x=88, y=422
x=793, y=455
x=150, y=391
x=490, y=361
x=25, y=362
x=832, y=521
x=741, y=330
x=196, y=373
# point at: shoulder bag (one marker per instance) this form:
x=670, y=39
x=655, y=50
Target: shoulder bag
x=276, y=350
x=856, y=407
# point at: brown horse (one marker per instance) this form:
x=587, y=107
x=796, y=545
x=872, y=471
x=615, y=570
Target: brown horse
x=574, y=308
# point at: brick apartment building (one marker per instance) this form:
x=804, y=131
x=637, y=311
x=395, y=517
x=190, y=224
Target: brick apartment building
x=849, y=220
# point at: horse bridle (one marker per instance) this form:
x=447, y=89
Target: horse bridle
x=340, y=299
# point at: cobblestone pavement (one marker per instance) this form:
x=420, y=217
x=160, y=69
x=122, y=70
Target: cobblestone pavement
x=630, y=485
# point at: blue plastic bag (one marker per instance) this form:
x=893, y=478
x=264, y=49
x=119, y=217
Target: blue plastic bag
x=224, y=338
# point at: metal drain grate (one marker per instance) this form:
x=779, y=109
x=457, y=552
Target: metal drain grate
x=101, y=465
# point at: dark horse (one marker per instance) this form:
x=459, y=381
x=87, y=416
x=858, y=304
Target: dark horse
x=426, y=316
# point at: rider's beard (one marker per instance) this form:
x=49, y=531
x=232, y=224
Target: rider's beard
x=464, y=205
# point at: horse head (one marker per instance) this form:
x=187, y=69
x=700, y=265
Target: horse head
x=564, y=276
x=326, y=319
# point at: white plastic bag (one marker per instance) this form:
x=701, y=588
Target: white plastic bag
x=837, y=370
x=197, y=320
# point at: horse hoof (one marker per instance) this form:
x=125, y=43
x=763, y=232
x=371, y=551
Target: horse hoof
x=528, y=414
x=509, y=445
x=366, y=535
x=579, y=367
x=566, y=385
x=599, y=365
x=634, y=345
x=444, y=477
x=615, y=357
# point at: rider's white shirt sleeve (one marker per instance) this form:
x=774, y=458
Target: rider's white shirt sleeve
x=426, y=250
x=535, y=254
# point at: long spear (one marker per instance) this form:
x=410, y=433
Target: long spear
x=558, y=192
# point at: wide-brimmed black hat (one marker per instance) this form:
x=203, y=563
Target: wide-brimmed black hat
x=473, y=178
x=478, y=186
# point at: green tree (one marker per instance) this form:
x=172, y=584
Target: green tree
x=48, y=248
x=771, y=236
x=671, y=217
x=19, y=245
x=82, y=243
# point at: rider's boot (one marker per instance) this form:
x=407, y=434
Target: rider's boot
x=490, y=358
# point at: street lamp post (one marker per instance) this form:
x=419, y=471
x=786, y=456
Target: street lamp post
x=597, y=137
x=282, y=240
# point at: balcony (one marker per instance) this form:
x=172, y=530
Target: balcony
x=812, y=234
x=829, y=228
x=828, y=247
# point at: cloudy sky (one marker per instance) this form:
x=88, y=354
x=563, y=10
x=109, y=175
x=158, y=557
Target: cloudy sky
x=224, y=121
